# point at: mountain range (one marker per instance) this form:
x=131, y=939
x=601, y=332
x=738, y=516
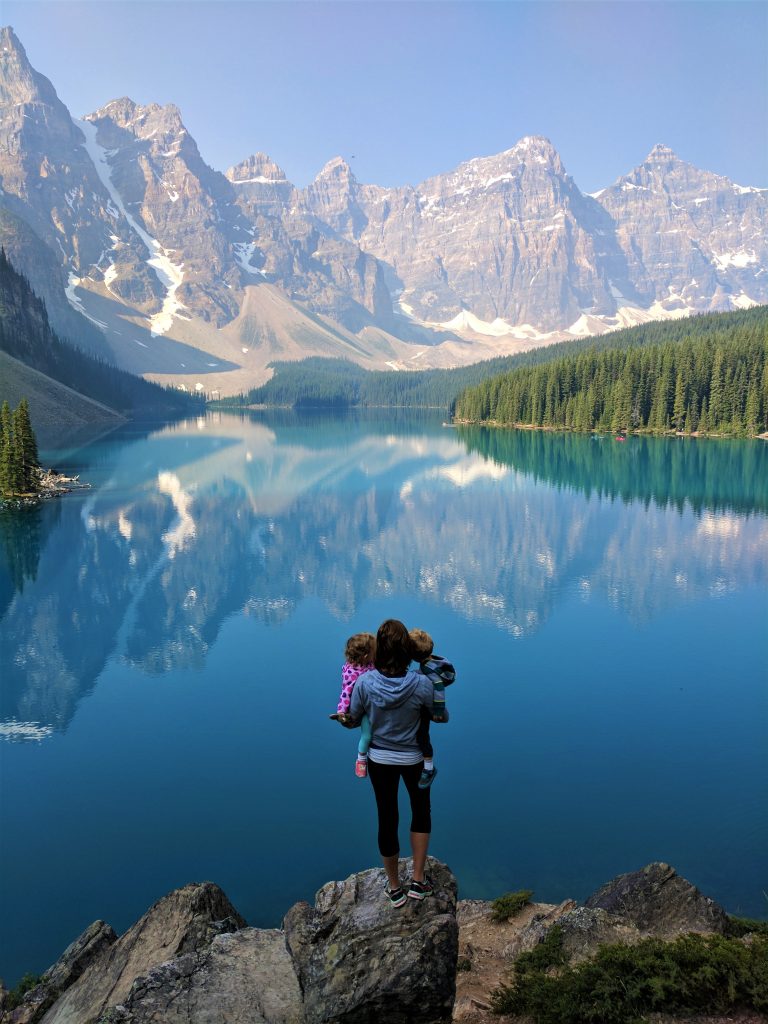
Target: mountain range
x=152, y=259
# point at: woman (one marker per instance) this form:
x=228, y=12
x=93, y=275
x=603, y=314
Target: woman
x=393, y=697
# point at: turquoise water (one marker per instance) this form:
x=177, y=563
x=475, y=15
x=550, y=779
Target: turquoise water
x=171, y=642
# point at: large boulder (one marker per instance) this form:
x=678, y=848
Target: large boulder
x=361, y=961
x=75, y=959
x=660, y=903
x=185, y=920
x=242, y=976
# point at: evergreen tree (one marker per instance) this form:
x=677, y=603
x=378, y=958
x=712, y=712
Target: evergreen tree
x=679, y=405
x=25, y=444
x=10, y=464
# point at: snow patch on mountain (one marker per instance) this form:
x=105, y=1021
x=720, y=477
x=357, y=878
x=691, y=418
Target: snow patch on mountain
x=169, y=274
x=109, y=276
x=743, y=301
x=77, y=303
x=260, y=180
x=466, y=321
x=244, y=252
x=734, y=259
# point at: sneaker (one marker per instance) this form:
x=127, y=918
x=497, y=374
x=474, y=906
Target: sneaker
x=361, y=768
x=420, y=890
x=396, y=896
x=427, y=778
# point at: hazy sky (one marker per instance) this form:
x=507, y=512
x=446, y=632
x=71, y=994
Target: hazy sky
x=408, y=89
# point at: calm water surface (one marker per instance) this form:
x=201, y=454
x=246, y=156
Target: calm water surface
x=171, y=642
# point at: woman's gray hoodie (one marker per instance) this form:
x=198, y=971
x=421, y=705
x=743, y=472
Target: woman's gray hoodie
x=393, y=706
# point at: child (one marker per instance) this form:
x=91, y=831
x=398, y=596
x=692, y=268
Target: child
x=359, y=652
x=440, y=673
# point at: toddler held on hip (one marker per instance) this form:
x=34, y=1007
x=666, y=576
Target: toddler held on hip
x=359, y=652
x=440, y=673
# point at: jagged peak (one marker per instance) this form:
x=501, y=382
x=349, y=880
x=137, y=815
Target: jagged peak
x=120, y=107
x=10, y=41
x=661, y=152
x=259, y=168
x=484, y=171
x=20, y=83
x=336, y=168
x=537, y=143
x=125, y=113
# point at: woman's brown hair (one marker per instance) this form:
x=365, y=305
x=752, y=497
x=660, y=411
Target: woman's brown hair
x=393, y=648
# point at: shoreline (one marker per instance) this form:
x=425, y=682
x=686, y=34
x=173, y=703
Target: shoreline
x=52, y=485
x=498, y=425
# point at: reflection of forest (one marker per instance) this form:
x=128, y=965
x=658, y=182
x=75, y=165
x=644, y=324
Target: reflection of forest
x=235, y=519
x=704, y=474
x=21, y=537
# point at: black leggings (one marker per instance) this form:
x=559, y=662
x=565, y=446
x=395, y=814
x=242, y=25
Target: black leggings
x=385, y=779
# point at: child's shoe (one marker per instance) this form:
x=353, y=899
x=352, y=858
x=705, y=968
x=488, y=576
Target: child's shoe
x=420, y=890
x=361, y=769
x=427, y=777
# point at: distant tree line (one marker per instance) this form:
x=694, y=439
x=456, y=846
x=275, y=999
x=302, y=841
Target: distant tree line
x=338, y=383
x=19, y=463
x=730, y=475
x=26, y=334
x=706, y=382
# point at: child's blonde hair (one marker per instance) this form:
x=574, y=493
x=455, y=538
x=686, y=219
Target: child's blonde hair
x=421, y=644
x=361, y=649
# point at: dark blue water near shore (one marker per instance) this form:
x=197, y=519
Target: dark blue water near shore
x=171, y=642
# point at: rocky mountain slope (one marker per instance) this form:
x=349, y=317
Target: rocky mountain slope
x=177, y=271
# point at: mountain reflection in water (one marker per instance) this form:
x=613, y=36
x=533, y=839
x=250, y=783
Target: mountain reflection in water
x=171, y=642
x=208, y=519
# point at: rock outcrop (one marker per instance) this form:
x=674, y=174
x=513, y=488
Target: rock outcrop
x=243, y=976
x=191, y=960
x=184, y=921
x=87, y=948
x=350, y=958
x=653, y=902
x=358, y=961
x=657, y=901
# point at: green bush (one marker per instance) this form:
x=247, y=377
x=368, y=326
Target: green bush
x=510, y=903
x=623, y=983
x=738, y=926
x=16, y=995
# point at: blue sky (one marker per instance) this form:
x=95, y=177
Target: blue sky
x=408, y=89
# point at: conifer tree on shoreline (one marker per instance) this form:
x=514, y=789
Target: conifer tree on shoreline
x=19, y=460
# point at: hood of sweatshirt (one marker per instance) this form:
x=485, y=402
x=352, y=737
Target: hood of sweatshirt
x=390, y=693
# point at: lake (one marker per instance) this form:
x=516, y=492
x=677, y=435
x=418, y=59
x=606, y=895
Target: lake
x=171, y=643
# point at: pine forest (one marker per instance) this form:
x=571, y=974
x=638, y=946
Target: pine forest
x=715, y=382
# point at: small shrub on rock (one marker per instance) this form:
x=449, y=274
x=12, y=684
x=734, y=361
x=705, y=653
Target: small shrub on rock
x=622, y=984
x=16, y=995
x=510, y=904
